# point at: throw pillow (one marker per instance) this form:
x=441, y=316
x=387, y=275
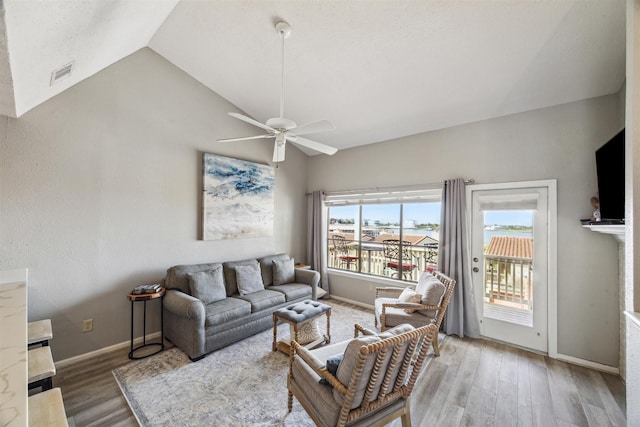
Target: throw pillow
x=409, y=295
x=283, y=271
x=208, y=285
x=249, y=279
x=307, y=332
x=332, y=366
x=432, y=291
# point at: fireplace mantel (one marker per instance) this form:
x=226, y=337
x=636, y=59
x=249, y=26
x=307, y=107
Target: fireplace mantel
x=617, y=230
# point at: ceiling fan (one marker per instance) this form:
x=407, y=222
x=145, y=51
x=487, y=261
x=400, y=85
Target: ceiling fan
x=281, y=128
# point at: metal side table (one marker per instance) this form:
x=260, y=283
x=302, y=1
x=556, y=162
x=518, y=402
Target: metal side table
x=144, y=298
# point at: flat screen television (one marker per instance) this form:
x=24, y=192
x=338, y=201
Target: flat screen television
x=610, y=171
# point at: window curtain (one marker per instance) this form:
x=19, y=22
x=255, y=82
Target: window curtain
x=454, y=261
x=317, y=241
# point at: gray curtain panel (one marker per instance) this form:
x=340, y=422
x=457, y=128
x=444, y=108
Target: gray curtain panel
x=317, y=245
x=454, y=261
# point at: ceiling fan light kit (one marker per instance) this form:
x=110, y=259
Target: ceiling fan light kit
x=281, y=128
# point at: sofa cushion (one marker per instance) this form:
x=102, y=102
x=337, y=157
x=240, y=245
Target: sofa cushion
x=293, y=291
x=230, y=274
x=226, y=310
x=266, y=265
x=283, y=272
x=208, y=286
x=177, y=275
x=262, y=299
x=409, y=295
x=431, y=290
x=249, y=279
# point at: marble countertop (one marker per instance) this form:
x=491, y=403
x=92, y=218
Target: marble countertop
x=13, y=348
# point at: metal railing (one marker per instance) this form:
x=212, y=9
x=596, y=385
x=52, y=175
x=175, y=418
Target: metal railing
x=369, y=258
x=508, y=279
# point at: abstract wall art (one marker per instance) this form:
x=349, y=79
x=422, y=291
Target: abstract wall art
x=238, y=198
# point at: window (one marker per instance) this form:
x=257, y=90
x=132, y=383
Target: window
x=390, y=233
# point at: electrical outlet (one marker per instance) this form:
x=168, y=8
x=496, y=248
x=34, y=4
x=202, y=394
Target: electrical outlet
x=87, y=325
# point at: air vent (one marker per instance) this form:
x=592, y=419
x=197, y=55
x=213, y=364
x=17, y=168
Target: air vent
x=61, y=73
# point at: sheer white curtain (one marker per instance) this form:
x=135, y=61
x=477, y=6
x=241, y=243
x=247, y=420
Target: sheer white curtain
x=317, y=241
x=454, y=260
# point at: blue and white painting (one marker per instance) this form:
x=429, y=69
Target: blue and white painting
x=238, y=198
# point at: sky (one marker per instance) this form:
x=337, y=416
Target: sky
x=425, y=213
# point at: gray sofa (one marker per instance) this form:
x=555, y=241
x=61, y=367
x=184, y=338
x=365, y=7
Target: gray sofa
x=234, y=301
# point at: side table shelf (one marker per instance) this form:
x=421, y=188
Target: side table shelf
x=144, y=298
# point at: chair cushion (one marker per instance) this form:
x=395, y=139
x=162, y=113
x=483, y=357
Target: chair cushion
x=346, y=368
x=208, y=286
x=266, y=265
x=293, y=291
x=249, y=279
x=283, y=271
x=316, y=397
x=260, y=300
x=431, y=290
x=396, y=330
x=225, y=310
x=398, y=316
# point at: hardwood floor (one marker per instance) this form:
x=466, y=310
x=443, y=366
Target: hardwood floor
x=472, y=383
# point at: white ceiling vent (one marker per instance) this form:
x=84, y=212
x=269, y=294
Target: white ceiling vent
x=61, y=73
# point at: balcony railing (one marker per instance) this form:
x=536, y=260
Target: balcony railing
x=369, y=258
x=508, y=279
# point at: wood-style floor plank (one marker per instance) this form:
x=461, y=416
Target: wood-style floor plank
x=472, y=383
x=525, y=412
x=566, y=399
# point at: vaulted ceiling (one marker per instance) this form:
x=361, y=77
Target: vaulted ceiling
x=377, y=69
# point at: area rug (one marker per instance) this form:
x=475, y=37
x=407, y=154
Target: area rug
x=244, y=384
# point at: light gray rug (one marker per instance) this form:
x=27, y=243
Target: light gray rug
x=244, y=384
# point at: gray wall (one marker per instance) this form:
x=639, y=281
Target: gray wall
x=551, y=143
x=100, y=191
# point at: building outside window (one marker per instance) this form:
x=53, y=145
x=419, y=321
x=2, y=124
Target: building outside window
x=391, y=233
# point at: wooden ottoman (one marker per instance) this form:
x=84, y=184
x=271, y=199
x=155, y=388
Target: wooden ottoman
x=298, y=315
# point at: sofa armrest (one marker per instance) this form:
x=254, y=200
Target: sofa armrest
x=184, y=305
x=308, y=277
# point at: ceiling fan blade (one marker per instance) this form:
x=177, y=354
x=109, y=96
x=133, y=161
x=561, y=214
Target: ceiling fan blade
x=245, y=138
x=307, y=128
x=322, y=148
x=278, y=151
x=251, y=121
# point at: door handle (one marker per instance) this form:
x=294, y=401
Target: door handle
x=476, y=269
x=475, y=259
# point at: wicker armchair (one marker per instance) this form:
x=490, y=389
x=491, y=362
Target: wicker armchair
x=373, y=383
x=391, y=311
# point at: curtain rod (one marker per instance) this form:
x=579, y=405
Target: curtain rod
x=432, y=184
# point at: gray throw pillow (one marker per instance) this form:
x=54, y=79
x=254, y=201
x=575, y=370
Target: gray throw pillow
x=283, y=271
x=249, y=279
x=208, y=285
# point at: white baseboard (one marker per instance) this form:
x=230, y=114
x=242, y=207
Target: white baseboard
x=348, y=301
x=588, y=364
x=122, y=345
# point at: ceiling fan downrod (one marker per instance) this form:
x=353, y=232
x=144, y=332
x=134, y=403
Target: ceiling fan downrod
x=284, y=30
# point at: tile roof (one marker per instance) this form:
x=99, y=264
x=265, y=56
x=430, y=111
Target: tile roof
x=510, y=247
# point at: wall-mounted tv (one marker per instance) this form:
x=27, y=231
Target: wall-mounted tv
x=610, y=171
